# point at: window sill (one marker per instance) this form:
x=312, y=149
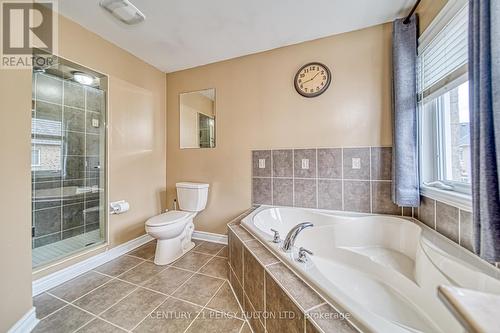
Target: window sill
x=459, y=200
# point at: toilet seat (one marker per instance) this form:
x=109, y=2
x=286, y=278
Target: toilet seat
x=167, y=218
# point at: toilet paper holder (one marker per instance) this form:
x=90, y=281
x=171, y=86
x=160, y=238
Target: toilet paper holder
x=118, y=207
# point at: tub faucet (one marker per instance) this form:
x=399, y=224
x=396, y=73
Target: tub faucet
x=292, y=235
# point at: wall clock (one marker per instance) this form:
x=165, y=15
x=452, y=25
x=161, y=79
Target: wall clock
x=312, y=79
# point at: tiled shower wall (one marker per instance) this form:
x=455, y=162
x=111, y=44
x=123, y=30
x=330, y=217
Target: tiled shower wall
x=62, y=129
x=349, y=179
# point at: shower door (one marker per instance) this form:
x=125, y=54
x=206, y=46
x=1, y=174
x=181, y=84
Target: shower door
x=68, y=161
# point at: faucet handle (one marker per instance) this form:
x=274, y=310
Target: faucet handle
x=276, y=237
x=303, y=252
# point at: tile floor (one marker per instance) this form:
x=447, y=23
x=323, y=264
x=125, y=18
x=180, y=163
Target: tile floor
x=132, y=294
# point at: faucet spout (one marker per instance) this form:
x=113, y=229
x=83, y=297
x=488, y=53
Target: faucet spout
x=289, y=241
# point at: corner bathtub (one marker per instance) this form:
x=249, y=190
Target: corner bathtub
x=383, y=270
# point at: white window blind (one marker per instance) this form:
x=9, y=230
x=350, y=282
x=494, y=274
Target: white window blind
x=444, y=59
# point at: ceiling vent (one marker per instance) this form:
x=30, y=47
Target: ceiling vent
x=123, y=10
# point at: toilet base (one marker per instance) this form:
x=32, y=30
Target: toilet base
x=169, y=250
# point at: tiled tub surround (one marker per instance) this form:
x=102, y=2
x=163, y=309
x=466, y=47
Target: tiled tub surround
x=70, y=148
x=452, y=222
x=132, y=294
x=246, y=252
x=332, y=183
x=350, y=179
x=274, y=299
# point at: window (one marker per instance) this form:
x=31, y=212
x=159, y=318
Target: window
x=443, y=96
x=35, y=157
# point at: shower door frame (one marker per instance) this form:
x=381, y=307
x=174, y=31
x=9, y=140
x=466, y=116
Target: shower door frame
x=84, y=252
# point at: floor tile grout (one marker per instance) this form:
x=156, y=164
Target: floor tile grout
x=97, y=318
x=215, y=294
x=164, y=268
x=149, y=314
x=316, y=306
x=204, y=307
x=62, y=307
x=86, y=311
x=94, y=289
x=241, y=328
x=143, y=287
x=238, y=301
x=121, y=299
x=131, y=255
x=99, y=286
x=173, y=292
x=112, y=278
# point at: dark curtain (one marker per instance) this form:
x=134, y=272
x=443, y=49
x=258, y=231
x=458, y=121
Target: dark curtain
x=484, y=82
x=405, y=185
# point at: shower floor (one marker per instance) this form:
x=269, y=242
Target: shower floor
x=49, y=252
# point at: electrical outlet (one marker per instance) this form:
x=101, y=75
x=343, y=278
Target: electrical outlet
x=305, y=163
x=262, y=163
x=95, y=122
x=356, y=163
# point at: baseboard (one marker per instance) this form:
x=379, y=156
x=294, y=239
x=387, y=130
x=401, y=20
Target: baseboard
x=26, y=323
x=210, y=237
x=50, y=281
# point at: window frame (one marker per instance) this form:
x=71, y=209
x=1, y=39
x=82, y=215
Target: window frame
x=460, y=195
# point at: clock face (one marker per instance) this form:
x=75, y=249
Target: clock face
x=312, y=79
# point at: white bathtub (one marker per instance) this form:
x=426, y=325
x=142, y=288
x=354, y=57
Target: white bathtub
x=383, y=270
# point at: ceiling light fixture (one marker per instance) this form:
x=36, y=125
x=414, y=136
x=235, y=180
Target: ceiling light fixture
x=83, y=78
x=123, y=10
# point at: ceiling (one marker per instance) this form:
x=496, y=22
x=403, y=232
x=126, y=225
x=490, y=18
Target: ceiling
x=180, y=34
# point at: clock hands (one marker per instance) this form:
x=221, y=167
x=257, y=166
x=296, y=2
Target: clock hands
x=311, y=78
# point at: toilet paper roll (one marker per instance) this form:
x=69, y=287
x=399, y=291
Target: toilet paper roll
x=119, y=207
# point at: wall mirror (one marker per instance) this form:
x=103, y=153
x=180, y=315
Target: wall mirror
x=197, y=119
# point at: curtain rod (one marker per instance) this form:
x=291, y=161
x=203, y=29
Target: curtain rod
x=407, y=19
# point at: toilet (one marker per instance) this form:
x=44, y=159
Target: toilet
x=173, y=229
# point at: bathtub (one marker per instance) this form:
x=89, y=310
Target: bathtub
x=382, y=270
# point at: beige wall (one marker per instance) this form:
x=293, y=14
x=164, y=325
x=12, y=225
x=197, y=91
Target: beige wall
x=15, y=196
x=137, y=151
x=258, y=107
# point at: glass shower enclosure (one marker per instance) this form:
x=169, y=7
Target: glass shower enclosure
x=68, y=160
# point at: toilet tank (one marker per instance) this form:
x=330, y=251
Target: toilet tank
x=192, y=197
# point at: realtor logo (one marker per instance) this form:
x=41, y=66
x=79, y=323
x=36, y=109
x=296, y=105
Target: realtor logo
x=27, y=26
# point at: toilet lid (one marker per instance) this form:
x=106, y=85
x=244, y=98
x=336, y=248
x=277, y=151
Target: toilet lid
x=167, y=218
